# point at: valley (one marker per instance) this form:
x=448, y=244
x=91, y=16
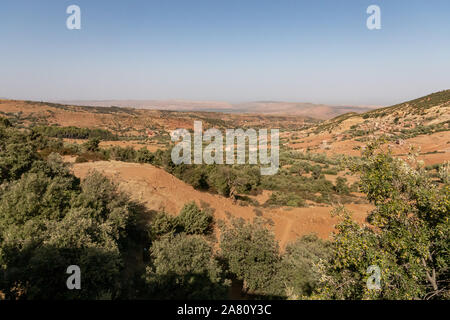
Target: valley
x=344, y=135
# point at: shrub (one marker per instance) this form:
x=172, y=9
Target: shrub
x=144, y=156
x=18, y=153
x=183, y=267
x=127, y=154
x=193, y=220
x=251, y=254
x=5, y=122
x=298, y=272
x=162, y=224
x=92, y=145
x=285, y=199
x=341, y=186
x=90, y=156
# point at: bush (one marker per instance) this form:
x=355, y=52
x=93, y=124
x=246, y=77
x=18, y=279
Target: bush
x=90, y=156
x=18, y=153
x=341, y=186
x=183, y=267
x=193, y=220
x=251, y=254
x=144, y=156
x=285, y=199
x=162, y=224
x=92, y=145
x=298, y=272
x=5, y=122
x=127, y=154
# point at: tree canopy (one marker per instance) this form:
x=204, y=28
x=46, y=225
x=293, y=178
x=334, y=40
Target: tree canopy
x=407, y=237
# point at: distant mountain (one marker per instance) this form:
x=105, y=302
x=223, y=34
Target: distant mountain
x=171, y=105
x=317, y=111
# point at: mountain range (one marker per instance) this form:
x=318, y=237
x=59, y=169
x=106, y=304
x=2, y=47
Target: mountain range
x=317, y=111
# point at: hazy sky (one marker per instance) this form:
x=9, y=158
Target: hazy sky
x=308, y=51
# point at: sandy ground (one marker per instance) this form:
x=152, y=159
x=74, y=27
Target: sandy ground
x=159, y=190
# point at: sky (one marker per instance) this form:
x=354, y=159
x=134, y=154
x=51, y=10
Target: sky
x=318, y=51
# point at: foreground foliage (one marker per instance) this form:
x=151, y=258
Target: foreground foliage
x=49, y=220
x=408, y=235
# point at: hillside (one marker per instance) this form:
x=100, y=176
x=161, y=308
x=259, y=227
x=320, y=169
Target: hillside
x=433, y=109
x=159, y=190
x=134, y=122
x=423, y=122
x=318, y=111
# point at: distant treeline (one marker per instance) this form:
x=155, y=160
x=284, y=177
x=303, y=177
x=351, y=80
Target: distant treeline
x=75, y=133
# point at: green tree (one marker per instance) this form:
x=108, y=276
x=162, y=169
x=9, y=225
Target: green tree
x=341, y=186
x=195, y=221
x=163, y=224
x=298, y=274
x=42, y=233
x=183, y=267
x=316, y=172
x=48, y=221
x=408, y=235
x=92, y=145
x=18, y=153
x=5, y=122
x=143, y=155
x=251, y=253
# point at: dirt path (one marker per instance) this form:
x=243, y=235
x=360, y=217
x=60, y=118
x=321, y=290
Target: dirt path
x=285, y=236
